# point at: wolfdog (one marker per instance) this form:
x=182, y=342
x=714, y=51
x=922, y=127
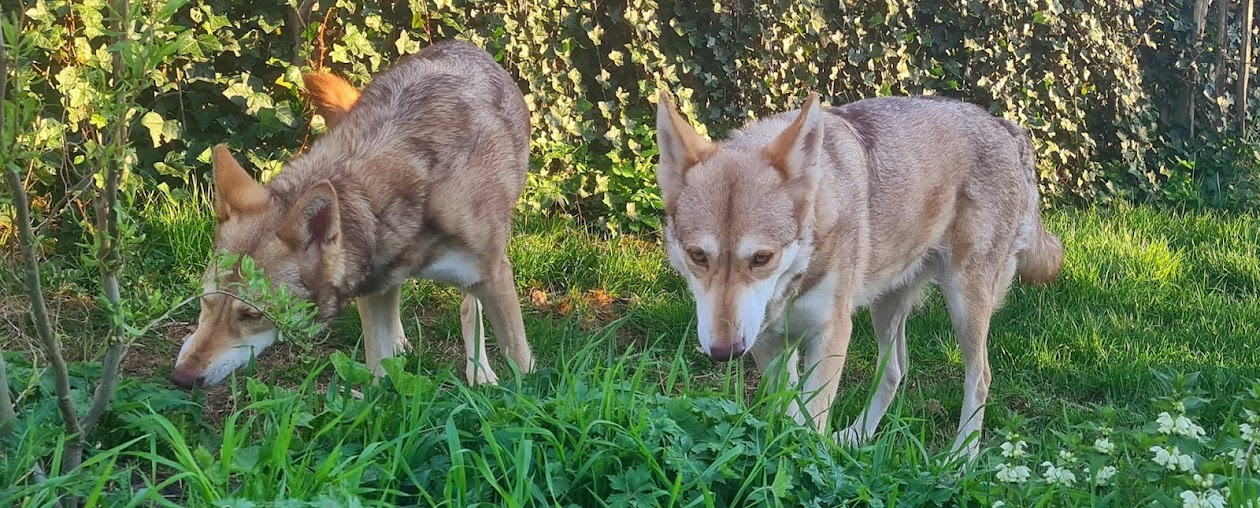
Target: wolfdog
x=788, y=226
x=418, y=176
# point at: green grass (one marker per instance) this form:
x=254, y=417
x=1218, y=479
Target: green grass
x=624, y=409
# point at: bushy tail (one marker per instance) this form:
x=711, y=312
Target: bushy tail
x=1042, y=261
x=333, y=96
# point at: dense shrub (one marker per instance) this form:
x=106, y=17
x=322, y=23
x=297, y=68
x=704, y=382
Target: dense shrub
x=1092, y=80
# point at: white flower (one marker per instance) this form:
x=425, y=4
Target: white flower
x=1239, y=459
x=1186, y=427
x=1252, y=416
x=1249, y=433
x=1181, y=426
x=1165, y=422
x=1162, y=455
x=1210, y=498
x=1056, y=474
x=1179, y=407
x=1204, y=482
x=1104, y=475
x=1104, y=446
x=1013, y=474
x=1066, y=456
x=1172, y=459
x=1014, y=450
x=999, y=504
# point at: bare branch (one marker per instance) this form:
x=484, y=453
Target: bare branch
x=71, y=194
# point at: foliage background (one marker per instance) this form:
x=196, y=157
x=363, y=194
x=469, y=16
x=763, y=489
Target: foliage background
x=1099, y=84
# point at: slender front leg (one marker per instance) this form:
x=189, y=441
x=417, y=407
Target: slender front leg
x=382, y=327
x=497, y=293
x=767, y=352
x=888, y=315
x=478, y=369
x=825, y=354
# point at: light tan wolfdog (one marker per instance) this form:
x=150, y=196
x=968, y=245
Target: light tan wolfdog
x=418, y=177
x=830, y=210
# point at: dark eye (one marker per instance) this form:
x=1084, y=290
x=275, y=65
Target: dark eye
x=698, y=257
x=761, y=258
x=250, y=313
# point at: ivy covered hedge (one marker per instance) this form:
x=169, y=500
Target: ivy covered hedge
x=1091, y=79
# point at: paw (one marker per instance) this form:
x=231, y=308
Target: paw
x=401, y=344
x=480, y=375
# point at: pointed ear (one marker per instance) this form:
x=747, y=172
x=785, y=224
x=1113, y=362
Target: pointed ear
x=680, y=146
x=333, y=97
x=314, y=220
x=235, y=192
x=795, y=152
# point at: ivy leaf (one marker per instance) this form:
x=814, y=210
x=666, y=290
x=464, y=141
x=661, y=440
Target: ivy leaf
x=160, y=129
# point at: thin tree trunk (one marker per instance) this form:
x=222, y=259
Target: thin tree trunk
x=110, y=260
x=39, y=307
x=297, y=25
x=1192, y=88
x=1244, y=67
x=1222, y=49
x=1200, y=18
x=7, y=414
x=43, y=327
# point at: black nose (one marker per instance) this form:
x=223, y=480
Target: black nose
x=185, y=379
x=726, y=351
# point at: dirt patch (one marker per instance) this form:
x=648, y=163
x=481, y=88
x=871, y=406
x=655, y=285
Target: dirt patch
x=596, y=308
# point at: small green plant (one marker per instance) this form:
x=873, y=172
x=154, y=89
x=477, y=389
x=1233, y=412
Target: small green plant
x=292, y=316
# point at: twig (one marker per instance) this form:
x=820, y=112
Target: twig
x=71, y=193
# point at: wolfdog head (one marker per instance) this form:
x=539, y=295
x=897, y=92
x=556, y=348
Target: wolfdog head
x=296, y=241
x=738, y=218
x=297, y=247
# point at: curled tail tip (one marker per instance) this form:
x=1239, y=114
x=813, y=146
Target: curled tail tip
x=332, y=95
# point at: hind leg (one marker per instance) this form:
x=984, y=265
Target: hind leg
x=972, y=294
x=888, y=315
x=477, y=371
x=497, y=292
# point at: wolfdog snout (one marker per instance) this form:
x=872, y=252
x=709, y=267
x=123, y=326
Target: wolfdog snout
x=726, y=351
x=186, y=379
